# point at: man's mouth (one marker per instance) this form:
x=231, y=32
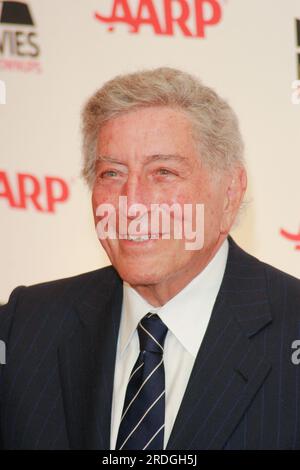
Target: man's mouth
x=141, y=238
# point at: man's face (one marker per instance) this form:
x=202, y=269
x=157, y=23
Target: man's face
x=149, y=156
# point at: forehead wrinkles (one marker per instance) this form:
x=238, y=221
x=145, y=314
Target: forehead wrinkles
x=147, y=135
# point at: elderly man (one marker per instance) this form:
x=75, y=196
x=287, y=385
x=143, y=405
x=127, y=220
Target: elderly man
x=173, y=346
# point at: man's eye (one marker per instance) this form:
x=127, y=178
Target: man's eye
x=108, y=174
x=164, y=171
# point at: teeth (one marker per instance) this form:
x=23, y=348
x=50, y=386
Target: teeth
x=138, y=238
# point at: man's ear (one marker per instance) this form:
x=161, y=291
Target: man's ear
x=235, y=190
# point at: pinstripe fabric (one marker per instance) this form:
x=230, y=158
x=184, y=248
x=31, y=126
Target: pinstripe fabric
x=243, y=393
x=143, y=416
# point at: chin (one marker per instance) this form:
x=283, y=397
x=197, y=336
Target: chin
x=139, y=276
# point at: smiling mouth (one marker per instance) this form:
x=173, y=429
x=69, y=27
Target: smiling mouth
x=141, y=238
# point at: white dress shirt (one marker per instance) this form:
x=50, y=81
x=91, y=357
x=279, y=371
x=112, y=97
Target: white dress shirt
x=186, y=315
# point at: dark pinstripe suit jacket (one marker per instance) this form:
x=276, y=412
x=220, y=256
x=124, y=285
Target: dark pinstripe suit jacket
x=61, y=336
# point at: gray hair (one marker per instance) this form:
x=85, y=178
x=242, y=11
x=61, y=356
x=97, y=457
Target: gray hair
x=215, y=125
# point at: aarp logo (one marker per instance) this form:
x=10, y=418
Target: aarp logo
x=190, y=18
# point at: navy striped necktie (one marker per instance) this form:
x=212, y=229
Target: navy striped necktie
x=143, y=417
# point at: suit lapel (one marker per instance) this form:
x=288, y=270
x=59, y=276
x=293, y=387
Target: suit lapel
x=87, y=361
x=228, y=369
x=226, y=375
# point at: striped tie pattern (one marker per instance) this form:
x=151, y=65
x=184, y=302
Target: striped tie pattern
x=143, y=417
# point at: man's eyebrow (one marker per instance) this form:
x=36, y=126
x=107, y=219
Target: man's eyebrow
x=165, y=157
x=107, y=158
x=147, y=159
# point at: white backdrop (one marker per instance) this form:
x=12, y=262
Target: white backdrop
x=51, y=67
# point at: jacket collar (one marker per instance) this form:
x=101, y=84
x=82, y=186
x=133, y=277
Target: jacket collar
x=86, y=361
x=228, y=369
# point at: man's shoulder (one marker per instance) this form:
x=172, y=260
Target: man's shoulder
x=78, y=283
x=279, y=284
x=70, y=286
x=58, y=296
x=284, y=290
x=274, y=274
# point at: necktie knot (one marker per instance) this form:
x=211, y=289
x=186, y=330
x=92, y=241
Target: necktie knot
x=152, y=333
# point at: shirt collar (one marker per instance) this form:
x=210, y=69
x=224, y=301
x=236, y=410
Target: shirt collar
x=186, y=314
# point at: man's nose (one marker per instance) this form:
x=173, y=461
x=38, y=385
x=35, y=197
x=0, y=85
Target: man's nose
x=134, y=189
x=137, y=192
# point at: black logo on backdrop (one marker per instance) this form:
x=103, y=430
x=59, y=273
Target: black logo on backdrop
x=16, y=13
x=19, y=45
